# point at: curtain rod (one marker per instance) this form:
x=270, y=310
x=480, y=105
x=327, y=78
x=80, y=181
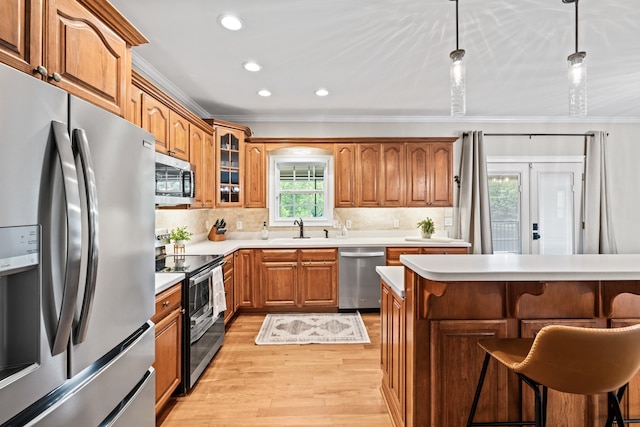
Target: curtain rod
x=536, y=134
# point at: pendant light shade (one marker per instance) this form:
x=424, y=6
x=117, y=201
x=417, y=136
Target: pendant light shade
x=577, y=75
x=457, y=77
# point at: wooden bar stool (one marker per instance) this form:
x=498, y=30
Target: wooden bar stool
x=570, y=360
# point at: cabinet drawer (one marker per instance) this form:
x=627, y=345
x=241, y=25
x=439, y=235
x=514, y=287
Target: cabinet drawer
x=318, y=254
x=444, y=251
x=167, y=301
x=279, y=255
x=394, y=253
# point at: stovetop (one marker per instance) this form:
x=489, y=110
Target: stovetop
x=185, y=263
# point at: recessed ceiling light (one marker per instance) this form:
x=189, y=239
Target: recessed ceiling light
x=251, y=66
x=322, y=92
x=264, y=92
x=230, y=22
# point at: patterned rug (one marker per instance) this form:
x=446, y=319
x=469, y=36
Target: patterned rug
x=324, y=328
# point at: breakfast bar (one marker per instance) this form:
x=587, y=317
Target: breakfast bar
x=450, y=302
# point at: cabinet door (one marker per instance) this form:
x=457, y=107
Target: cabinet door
x=385, y=314
x=441, y=175
x=453, y=345
x=155, y=119
x=279, y=283
x=255, y=193
x=569, y=410
x=345, y=175
x=392, y=175
x=229, y=190
x=319, y=283
x=196, y=157
x=228, y=287
x=417, y=174
x=244, y=280
x=21, y=34
x=134, y=106
x=368, y=172
x=209, y=165
x=396, y=370
x=178, y=136
x=168, y=357
x=91, y=60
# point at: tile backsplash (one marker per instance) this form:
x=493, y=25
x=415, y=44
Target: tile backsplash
x=199, y=221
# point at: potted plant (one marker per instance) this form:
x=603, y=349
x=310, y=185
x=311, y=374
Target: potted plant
x=180, y=235
x=427, y=228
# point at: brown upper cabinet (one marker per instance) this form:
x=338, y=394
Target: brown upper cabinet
x=230, y=163
x=380, y=169
x=255, y=175
x=430, y=175
x=202, y=151
x=178, y=136
x=345, y=175
x=81, y=46
x=155, y=119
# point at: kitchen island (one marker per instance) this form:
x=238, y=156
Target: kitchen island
x=450, y=302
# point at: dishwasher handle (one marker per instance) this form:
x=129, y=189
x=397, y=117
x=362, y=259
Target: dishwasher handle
x=361, y=254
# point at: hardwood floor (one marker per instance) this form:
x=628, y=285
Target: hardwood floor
x=285, y=385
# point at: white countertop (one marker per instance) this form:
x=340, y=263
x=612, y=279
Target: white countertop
x=228, y=246
x=394, y=277
x=166, y=280
x=448, y=268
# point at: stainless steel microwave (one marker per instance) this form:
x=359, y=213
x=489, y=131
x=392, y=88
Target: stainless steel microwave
x=175, y=181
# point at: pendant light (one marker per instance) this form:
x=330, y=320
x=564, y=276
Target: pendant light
x=457, y=77
x=577, y=76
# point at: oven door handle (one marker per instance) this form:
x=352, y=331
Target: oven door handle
x=207, y=321
x=200, y=278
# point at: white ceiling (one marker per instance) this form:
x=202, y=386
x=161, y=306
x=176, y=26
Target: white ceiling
x=384, y=59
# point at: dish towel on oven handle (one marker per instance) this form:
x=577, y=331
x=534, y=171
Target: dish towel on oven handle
x=216, y=292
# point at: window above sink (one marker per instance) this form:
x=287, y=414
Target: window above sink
x=301, y=186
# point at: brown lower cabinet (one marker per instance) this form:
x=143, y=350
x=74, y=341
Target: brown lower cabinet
x=228, y=273
x=168, y=321
x=285, y=279
x=392, y=353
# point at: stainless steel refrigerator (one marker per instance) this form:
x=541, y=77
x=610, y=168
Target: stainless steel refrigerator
x=76, y=261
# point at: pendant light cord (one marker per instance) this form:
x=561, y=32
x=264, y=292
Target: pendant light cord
x=457, y=46
x=576, y=1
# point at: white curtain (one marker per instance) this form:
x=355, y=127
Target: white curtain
x=598, y=230
x=473, y=197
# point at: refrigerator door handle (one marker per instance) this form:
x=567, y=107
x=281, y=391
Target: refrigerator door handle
x=74, y=237
x=82, y=145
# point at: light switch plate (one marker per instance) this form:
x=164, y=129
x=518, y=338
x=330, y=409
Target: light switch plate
x=396, y=223
x=448, y=221
x=348, y=223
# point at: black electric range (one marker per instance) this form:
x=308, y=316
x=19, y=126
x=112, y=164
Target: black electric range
x=188, y=264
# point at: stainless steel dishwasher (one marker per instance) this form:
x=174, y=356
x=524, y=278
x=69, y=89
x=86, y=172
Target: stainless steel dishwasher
x=358, y=282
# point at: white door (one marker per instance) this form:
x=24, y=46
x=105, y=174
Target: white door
x=535, y=206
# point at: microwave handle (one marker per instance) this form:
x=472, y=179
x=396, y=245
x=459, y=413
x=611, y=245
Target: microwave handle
x=193, y=184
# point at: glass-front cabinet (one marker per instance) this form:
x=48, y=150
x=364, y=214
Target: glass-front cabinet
x=230, y=155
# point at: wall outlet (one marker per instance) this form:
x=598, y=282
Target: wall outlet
x=239, y=225
x=448, y=221
x=335, y=223
x=396, y=223
x=347, y=223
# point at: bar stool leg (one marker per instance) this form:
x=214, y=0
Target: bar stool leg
x=614, y=410
x=476, y=397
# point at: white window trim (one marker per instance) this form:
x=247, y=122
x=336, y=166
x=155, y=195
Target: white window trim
x=274, y=221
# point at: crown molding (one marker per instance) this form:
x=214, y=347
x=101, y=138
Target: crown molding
x=423, y=119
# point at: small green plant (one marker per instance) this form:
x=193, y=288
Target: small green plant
x=180, y=233
x=427, y=226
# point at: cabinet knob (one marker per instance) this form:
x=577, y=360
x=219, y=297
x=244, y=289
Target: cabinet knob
x=166, y=304
x=41, y=70
x=55, y=76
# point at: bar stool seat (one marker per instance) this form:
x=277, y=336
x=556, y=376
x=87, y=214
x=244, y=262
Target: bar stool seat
x=567, y=359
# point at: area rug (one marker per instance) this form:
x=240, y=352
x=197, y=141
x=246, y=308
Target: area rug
x=323, y=328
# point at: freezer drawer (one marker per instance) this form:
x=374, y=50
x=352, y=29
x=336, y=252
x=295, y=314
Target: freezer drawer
x=94, y=397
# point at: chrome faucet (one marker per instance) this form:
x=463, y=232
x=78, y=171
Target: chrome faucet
x=299, y=223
